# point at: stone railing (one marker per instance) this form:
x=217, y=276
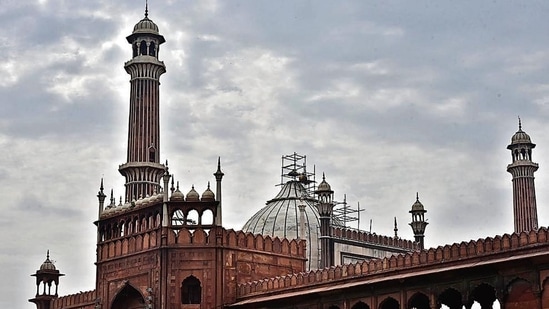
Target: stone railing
x=372, y=238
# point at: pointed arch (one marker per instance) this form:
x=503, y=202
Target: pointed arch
x=520, y=294
x=450, y=298
x=418, y=301
x=360, y=305
x=484, y=294
x=128, y=298
x=389, y=303
x=191, y=291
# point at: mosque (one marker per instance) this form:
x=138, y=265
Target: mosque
x=161, y=248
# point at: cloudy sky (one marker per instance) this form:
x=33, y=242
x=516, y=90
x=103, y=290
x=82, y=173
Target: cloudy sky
x=388, y=98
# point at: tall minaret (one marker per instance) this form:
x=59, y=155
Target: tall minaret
x=143, y=170
x=524, y=194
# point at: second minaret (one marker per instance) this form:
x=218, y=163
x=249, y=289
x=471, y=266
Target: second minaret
x=524, y=194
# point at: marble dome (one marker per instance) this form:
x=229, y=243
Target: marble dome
x=280, y=218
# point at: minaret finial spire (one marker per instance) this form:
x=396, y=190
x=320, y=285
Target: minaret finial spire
x=520, y=124
x=146, y=8
x=48, y=255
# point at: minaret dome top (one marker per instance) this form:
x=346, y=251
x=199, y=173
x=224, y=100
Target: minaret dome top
x=47, y=265
x=145, y=26
x=520, y=137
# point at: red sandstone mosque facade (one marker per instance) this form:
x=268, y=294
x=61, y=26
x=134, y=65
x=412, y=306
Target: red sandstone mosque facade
x=164, y=249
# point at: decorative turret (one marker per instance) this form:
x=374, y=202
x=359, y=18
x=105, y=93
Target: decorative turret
x=218, y=176
x=524, y=194
x=418, y=223
x=143, y=170
x=46, y=276
x=325, y=210
x=101, y=197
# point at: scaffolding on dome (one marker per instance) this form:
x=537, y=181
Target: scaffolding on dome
x=294, y=167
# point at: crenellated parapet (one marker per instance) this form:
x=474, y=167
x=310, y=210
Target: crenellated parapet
x=372, y=238
x=504, y=246
x=238, y=240
x=82, y=300
x=149, y=238
x=249, y=241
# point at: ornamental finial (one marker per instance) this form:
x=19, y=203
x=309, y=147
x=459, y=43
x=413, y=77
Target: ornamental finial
x=146, y=8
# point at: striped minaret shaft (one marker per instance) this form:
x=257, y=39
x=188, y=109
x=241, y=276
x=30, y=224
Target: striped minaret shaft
x=143, y=171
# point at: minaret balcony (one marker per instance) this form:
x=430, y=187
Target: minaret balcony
x=145, y=59
x=524, y=163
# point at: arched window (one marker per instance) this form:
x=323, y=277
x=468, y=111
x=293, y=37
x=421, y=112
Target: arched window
x=207, y=217
x=192, y=217
x=191, y=292
x=178, y=218
x=152, y=49
x=152, y=154
x=143, y=48
x=134, y=49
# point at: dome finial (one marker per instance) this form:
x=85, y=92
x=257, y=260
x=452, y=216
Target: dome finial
x=48, y=255
x=520, y=124
x=146, y=8
x=417, y=196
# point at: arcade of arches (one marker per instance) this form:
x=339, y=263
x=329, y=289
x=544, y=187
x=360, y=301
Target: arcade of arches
x=519, y=294
x=510, y=283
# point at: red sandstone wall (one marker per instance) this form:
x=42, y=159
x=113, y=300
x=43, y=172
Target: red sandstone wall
x=243, y=257
x=408, y=261
x=83, y=300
